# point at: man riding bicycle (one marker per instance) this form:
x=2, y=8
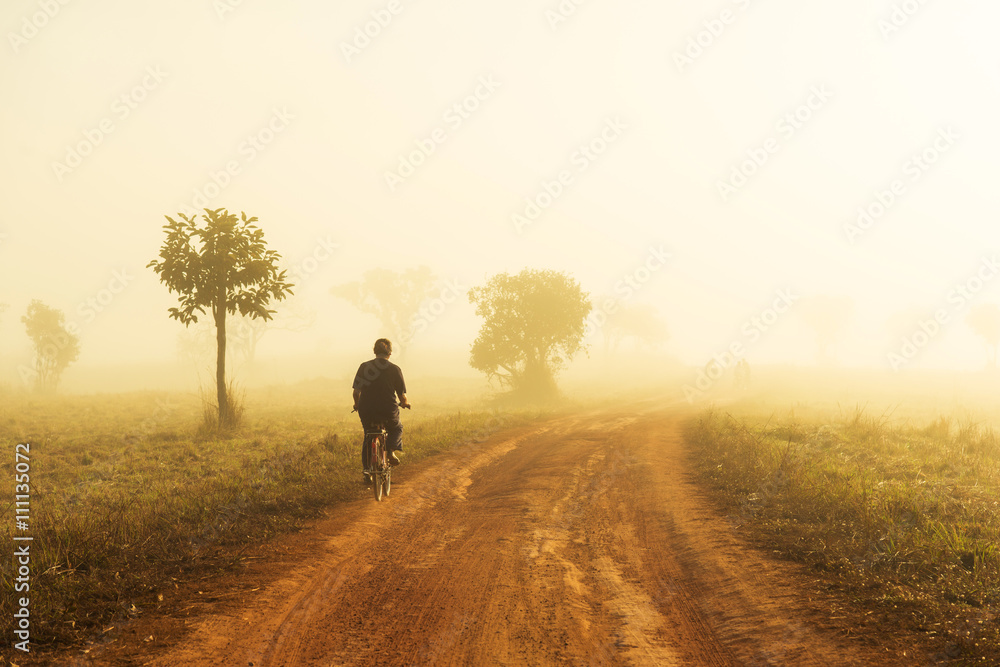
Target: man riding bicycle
x=376, y=385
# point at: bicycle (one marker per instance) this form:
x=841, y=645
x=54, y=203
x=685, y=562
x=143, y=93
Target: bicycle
x=375, y=460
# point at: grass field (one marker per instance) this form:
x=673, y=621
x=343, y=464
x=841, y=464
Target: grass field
x=897, y=516
x=129, y=493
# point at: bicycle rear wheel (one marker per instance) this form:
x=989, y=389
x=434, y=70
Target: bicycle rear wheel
x=379, y=465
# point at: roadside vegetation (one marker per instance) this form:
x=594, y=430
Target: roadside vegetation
x=900, y=520
x=130, y=493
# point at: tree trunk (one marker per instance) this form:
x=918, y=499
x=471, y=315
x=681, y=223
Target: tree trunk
x=537, y=381
x=220, y=362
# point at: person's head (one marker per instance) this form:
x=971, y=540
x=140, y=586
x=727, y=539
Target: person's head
x=383, y=348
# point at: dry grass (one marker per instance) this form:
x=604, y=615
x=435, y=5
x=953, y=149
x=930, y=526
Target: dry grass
x=901, y=520
x=232, y=420
x=129, y=492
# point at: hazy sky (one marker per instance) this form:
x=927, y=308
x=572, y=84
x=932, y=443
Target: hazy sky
x=183, y=88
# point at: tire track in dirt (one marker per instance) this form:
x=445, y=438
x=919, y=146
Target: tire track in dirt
x=582, y=540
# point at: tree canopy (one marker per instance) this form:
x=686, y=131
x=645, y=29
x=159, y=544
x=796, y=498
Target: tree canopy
x=394, y=297
x=55, y=346
x=533, y=324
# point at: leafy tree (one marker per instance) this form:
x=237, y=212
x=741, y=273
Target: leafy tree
x=985, y=321
x=533, y=323
x=55, y=346
x=223, y=267
x=393, y=297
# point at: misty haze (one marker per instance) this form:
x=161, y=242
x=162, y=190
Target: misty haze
x=404, y=333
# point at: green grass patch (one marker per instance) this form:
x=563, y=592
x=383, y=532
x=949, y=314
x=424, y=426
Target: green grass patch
x=901, y=520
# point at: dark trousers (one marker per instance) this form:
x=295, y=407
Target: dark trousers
x=370, y=419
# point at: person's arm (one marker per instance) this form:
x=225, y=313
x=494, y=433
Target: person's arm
x=401, y=389
x=357, y=397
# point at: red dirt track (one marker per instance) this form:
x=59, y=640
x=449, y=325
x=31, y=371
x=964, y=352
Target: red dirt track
x=580, y=540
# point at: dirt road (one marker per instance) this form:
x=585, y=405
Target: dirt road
x=581, y=540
